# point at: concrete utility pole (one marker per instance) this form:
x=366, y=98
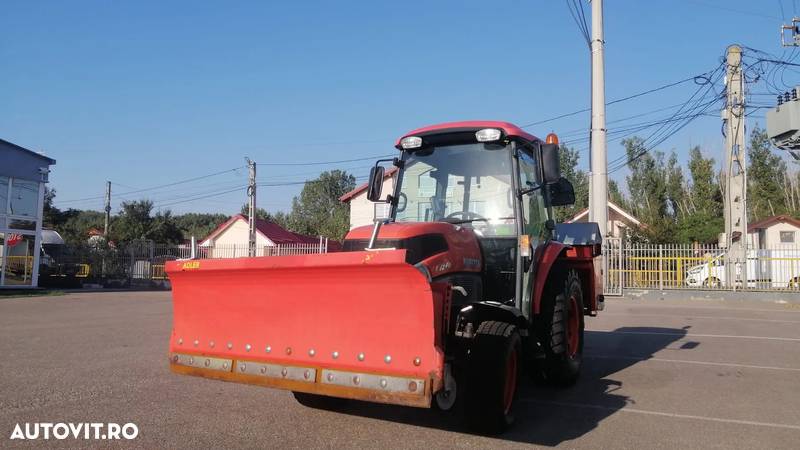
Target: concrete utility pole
x=108, y=209
x=736, y=170
x=598, y=189
x=251, y=208
x=794, y=33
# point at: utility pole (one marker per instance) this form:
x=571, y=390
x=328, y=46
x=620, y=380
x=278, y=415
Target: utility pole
x=598, y=189
x=736, y=170
x=108, y=210
x=251, y=208
x=793, y=35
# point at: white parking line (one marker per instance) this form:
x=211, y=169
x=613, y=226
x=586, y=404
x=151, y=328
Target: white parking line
x=662, y=414
x=693, y=335
x=686, y=361
x=687, y=316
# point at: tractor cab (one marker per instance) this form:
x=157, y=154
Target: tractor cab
x=490, y=178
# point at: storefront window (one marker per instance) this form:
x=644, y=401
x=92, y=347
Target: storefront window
x=19, y=224
x=19, y=217
x=24, y=198
x=19, y=252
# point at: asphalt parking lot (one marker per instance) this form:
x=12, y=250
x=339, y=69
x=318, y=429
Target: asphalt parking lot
x=692, y=373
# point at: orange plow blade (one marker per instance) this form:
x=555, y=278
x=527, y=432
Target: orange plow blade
x=354, y=324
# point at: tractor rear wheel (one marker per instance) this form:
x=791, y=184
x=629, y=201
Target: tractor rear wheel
x=560, y=330
x=491, y=380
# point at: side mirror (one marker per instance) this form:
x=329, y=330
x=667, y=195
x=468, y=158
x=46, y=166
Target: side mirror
x=551, y=167
x=375, y=184
x=562, y=193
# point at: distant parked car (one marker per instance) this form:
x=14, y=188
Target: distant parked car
x=765, y=268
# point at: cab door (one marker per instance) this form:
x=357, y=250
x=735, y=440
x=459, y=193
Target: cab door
x=534, y=214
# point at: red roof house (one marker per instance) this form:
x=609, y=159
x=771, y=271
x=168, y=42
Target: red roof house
x=233, y=235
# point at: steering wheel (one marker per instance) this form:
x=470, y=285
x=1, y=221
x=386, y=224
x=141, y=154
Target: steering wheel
x=465, y=215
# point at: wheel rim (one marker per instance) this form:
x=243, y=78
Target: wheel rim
x=511, y=381
x=573, y=323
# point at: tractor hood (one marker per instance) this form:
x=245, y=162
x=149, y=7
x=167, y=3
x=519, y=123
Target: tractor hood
x=441, y=247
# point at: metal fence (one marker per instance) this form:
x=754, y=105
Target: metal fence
x=612, y=267
x=675, y=266
x=139, y=263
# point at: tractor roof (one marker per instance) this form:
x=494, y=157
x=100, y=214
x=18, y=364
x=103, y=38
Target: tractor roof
x=509, y=129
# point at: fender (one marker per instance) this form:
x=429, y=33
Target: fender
x=546, y=255
x=478, y=312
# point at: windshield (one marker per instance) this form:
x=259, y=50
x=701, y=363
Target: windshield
x=467, y=184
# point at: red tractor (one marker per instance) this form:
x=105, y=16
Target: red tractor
x=466, y=283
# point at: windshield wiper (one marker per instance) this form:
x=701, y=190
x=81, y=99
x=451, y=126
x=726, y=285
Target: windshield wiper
x=477, y=219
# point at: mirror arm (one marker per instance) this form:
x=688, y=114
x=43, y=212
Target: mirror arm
x=529, y=190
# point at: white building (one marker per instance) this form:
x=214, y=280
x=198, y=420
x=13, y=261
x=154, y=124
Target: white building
x=619, y=220
x=231, y=239
x=23, y=175
x=362, y=211
x=774, y=233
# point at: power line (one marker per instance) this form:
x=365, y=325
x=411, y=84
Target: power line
x=202, y=177
x=197, y=198
x=665, y=131
x=188, y=180
x=639, y=126
x=580, y=19
x=623, y=99
x=320, y=163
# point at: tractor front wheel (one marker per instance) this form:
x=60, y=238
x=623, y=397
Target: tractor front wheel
x=491, y=382
x=560, y=331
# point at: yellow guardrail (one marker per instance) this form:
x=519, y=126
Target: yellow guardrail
x=84, y=270
x=670, y=271
x=19, y=263
x=654, y=271
x=157, y=272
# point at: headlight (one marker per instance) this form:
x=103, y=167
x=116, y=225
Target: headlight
x=488, y=135
x=410, y=142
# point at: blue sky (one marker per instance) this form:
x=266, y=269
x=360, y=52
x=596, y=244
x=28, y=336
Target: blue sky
x=148, y=93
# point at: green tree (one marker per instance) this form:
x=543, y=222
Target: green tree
x=198, y=225
x=703, y=219
x=569, y=159
x=651, y=192
x=74, y=225
x=279, y=218
x=616, y=196
x=135, y=222
x=766, y=178
x=52, y=215
x=674, y=183
x=318, y=211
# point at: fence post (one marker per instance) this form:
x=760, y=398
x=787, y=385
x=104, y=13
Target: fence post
x=661, y=267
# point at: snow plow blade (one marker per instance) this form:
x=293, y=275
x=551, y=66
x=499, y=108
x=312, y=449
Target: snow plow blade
x=354, y=325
